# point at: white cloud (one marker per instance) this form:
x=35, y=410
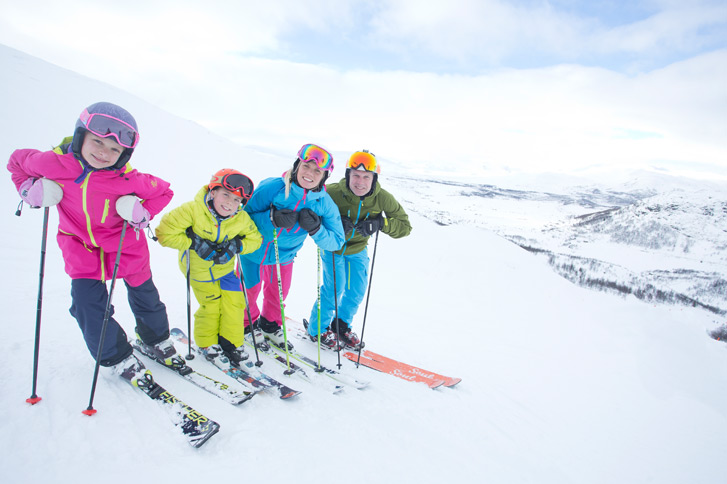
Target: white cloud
x=558, y=118
x=487, y=30
x=497, y=32
x=209, y=65
x=680, y=27
x=469, y=35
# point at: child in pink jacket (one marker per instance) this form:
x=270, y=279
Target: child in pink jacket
x=96, y=190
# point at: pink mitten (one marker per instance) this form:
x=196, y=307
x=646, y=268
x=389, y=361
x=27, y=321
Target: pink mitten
x=40, y=192
x=130, y=208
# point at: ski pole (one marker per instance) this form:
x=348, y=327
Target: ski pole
x=247, y=308
x=335, y=302
x=189, y=356
x=368, y=293
x=318, y=287
x=282, y=305
x=34, y=398
x=107, y=314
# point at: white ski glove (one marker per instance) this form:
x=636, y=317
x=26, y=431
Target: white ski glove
x=130, y=209
x=40, y=192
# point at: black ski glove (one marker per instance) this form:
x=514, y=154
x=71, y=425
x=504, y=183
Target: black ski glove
x=284, y=218
x=347, y=224
x=309, y=220
x=204, y=248
x=226, y=251
x=371, y=225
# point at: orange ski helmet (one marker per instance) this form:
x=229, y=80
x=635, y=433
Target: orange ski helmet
x=234, y=181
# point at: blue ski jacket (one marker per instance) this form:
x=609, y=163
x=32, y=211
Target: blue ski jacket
x=272, y=193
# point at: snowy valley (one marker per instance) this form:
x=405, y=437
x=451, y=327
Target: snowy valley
x=656, y=237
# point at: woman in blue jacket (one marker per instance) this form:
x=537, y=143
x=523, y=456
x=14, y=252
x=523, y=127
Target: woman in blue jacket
x=292, y=207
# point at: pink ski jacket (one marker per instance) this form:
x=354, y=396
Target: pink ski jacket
x=89, y=228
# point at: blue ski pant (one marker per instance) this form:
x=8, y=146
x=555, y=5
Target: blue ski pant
x=89, y=298
x=352, y=272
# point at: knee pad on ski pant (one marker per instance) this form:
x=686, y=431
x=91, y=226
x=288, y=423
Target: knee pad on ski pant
x=354, y=287
x=152, y=323
x=271, y=292
x=253, y=283
x=232, y=310
x=328, y=302
x=207, y=316
x=220, y=313
x=351, y=281
x=250, y=272
x=89, y=298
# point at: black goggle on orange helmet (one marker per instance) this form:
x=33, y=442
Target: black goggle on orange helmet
x=234, y=181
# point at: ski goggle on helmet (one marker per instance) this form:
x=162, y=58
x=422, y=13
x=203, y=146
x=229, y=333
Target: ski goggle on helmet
x=104, y=126
x=364, y=160
x=315, y=153
x=233, y=181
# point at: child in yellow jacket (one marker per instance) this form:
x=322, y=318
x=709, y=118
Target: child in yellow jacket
x=209, y=232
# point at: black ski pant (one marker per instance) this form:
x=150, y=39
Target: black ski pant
x=89, y=298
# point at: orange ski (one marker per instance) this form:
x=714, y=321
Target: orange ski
x=401, y=370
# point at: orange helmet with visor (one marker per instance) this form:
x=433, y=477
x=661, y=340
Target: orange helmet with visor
x=234, y=181
x=364, y=160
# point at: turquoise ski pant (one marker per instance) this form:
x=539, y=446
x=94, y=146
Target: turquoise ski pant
x=352, y=272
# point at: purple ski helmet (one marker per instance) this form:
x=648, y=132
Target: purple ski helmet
x=107, y=120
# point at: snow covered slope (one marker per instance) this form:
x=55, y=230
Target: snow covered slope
x=560, y=384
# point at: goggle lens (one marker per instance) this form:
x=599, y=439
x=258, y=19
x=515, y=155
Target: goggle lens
x=363, y=160
x=104, y=126
x=315, y=153
x=239, y=184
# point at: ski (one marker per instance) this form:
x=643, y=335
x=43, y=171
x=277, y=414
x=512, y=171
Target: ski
x=284, y=391
x=401, y=370
x=330, y=373
x=393, y=370
x=216, y=388
x=448, y=380
x=196, y=428
x=277, y=354
x=279, y=357
x=253, y=377
x=338, y=380
x=386, y=365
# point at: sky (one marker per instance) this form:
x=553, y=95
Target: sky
x=455, y=88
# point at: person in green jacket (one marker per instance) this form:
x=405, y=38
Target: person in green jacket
x=365, y=209
x=209, y=232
